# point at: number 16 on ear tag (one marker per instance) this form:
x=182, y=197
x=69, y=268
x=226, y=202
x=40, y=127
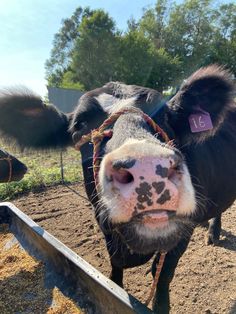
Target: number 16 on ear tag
x=200, y=122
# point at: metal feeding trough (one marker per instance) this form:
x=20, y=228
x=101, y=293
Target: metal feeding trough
x=66, y=270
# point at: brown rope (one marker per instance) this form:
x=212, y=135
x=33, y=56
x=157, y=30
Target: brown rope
x=156, y=278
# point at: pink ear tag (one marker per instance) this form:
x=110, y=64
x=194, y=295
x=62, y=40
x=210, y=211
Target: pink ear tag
x=200, y=122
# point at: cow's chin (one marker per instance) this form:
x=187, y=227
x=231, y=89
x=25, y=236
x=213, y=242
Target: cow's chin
x=148, y=237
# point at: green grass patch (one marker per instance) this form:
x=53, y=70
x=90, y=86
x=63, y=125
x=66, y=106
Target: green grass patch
x=44, y=169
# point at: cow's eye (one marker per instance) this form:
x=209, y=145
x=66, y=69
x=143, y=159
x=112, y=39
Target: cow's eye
x=80, y=125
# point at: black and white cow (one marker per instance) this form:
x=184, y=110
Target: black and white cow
x=11, y=169
x=151, y=193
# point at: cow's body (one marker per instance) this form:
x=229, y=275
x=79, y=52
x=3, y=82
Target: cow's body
x=151, y=194
x=11, y=169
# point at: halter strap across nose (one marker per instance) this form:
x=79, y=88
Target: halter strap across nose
x=96, y=136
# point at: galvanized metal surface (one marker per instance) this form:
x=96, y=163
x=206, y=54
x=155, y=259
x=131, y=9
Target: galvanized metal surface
x=67, y=270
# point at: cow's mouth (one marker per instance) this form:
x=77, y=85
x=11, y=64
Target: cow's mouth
x=155, y=218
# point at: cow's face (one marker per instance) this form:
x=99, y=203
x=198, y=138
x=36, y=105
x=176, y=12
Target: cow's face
x=145, y=186
x=11, y=169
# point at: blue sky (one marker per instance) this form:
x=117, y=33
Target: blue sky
x=27, y=29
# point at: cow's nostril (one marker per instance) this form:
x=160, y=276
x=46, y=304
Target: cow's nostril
x=122, y=176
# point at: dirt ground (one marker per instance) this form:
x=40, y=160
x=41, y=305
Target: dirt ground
x=205, y=279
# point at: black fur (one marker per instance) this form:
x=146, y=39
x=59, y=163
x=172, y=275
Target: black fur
x=209, y=155
x=26, y=119
x=210, y=89
x=11, y=169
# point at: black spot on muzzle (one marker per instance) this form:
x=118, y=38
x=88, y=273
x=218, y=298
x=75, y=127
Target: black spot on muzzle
x=125, y=164
x=144, y=195
x=164, y=197
x=161, y=171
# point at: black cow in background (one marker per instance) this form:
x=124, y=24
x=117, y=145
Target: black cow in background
x=151, y=193
x=11, y=169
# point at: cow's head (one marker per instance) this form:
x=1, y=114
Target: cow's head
x=11, y=169
x=145, y=187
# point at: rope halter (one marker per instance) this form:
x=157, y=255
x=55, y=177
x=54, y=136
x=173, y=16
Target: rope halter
x=97, y=135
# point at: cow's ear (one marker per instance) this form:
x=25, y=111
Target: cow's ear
x=28, y=121
x=202, y=103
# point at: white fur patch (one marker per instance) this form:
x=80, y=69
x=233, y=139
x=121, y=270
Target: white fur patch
x=106, y=101
x=112, y=104
x=148, y=233
x=187, y=202
x=140, y=148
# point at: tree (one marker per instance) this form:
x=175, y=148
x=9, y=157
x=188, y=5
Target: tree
x=194, y=31
x=161, y=48
x=223, y=47
x=190, y=32
x=141, y=63
x=225, y=21
x=165, y=71
x=63, y=46
x=69, y=80
x=153, y=23
x=96, y=50
x=135, y=60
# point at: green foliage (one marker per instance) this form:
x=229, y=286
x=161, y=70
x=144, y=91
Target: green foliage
x=134, y=55
x=196, y=31
x=96, y=50
x=69, y=81
x=160, y=49
x=141, y=63
x=63, y=46
x=165, y=71
x=154, y=21
x=223, y=47
x=189, y=31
